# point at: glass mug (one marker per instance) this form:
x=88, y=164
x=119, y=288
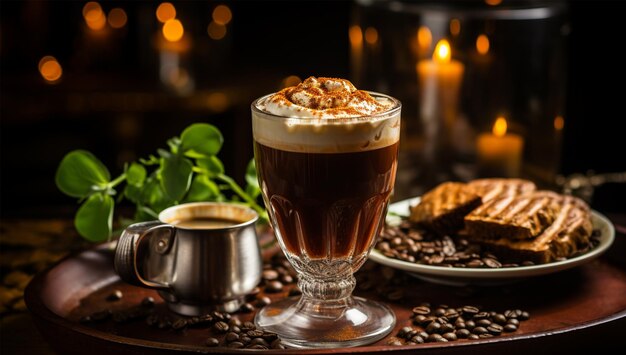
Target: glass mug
x=326, y=184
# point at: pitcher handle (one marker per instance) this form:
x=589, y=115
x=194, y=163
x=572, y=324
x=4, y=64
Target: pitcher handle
x=128, y=246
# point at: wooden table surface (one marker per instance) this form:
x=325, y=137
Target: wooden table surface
x=30, y=246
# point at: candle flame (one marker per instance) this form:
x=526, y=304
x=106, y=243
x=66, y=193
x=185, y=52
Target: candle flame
x=499, y=127
x=442, y=52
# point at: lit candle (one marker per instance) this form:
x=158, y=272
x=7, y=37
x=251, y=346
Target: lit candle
x=439, y=83
x=499, y=152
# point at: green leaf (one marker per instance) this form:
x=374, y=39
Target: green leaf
x=94, y=218
x=152, y=195
x=81, y=173
x=133, y=193
x=176, y=174
x=136, y=174
x=144, y=213
x=251, y=176
x=212, y=165
x=201, y=139
x=203, y=189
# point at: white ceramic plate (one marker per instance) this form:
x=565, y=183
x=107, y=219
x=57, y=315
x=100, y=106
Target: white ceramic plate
x=466, y=276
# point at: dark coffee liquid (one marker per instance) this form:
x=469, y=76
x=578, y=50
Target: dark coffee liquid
x=327, y=205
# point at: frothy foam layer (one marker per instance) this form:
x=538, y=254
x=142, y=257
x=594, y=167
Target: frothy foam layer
x=319, y=135
x=323, y=98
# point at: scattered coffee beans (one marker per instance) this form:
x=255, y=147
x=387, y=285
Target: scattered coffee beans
x=445, y=323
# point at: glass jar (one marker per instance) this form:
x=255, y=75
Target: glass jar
x=482, y=84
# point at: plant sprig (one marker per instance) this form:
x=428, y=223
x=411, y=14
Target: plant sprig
x=189, y=171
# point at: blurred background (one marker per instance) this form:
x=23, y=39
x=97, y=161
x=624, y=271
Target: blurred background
x=118, y=78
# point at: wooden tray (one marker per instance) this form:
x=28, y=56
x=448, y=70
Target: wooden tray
x=572, y=310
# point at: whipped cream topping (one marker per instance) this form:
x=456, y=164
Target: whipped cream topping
x=323, y=98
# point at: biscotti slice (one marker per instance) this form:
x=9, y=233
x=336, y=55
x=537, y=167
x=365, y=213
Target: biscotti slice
x=443, y=208
x=492, y=188
x=514, y=217
x=566, y=236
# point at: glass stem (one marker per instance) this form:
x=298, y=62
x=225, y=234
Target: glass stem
x=326, y=289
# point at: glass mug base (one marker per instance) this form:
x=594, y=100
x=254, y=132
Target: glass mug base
x=302, y=322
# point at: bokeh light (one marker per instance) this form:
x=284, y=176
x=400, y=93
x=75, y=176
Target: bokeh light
x=455, y=27
x=356, y=35
x=94, y=16
x=117, y=18
x=173, y=30
x=50, y=69
x=216, y=31
x=165, y=12
x=291, y=80
x=371, y=35
x=222, y=15
x=482, y=44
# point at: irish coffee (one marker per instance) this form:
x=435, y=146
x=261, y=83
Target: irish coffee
x=326, y=157
x=327, y=205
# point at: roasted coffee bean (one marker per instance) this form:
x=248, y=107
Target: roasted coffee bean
x=435, y=338
x=417, y=339
x=236, y=345
x=234, y=322
x=483, y=322
x=421, y=310
x=255, y=333
x=257, y=347
x=219, y=316
x=449, y=336
x=510, y=327
x=513, y=321
x=277, y=344
x=286, y=279
x=481, y=315
x=269, y=336
x=212, y=342
x=495, y=329
x=259, y=341
x=470, y=310
x=245, y=339
x=492, y=263
x=433, y=327
x=459, y=323
x=394, y=341
x=246, y=308
x=270, y=275
x=524, y=316
x=179, y=324
x=492, y=313
x=462, y=333
x=486, y=335
x=527, y=263
x=419, y=319
x=475, y=263
x=470, y=324
x=247, y=326
x=231, y=336
x=274, y=287
x=204, y=320
x=404, y=331
x=221, y=327
x=446, y=328
x=499, y=318
x=473, y=337
x=510, y=313
x=479, y=330
x=263, y=301
x=234, y=328
x=114, y=296
x=452, y=314
x=439, y=312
